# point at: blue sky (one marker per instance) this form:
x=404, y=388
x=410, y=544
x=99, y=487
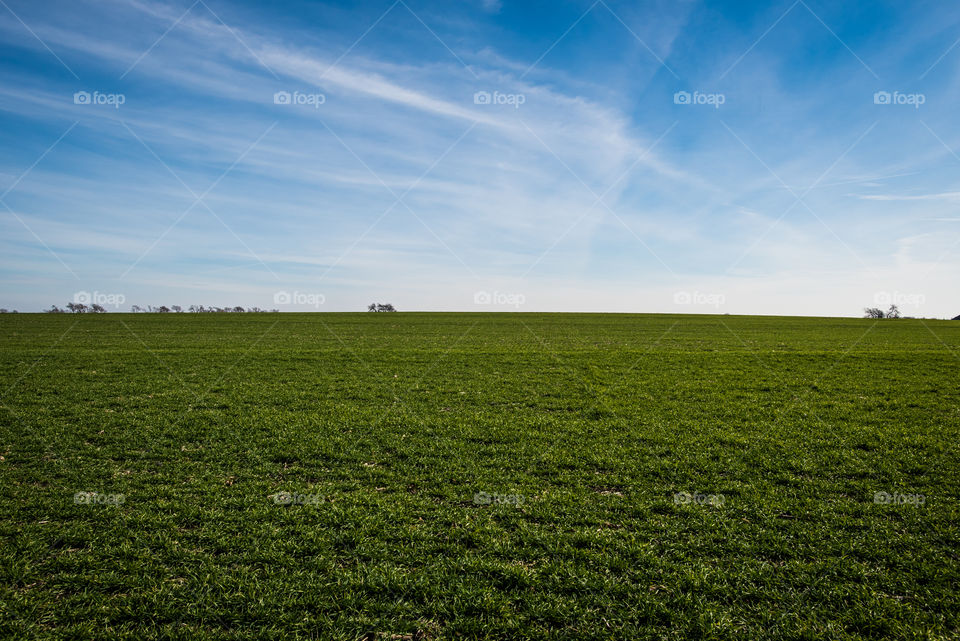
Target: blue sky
x=634, y=156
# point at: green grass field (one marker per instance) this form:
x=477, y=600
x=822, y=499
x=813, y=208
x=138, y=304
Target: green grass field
x=502, y=476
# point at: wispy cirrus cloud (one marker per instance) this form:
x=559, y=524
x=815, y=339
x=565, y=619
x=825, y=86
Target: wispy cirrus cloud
x=947, y=196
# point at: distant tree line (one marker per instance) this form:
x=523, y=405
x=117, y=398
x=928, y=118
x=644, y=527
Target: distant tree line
x=380, y=307
x=80, y=308
x=77, y=308
x=199, y=309
x=4, y=310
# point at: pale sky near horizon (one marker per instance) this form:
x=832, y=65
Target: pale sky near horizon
x=797, y=157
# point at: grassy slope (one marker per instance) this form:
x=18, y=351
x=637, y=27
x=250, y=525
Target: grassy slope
x=394, y=422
